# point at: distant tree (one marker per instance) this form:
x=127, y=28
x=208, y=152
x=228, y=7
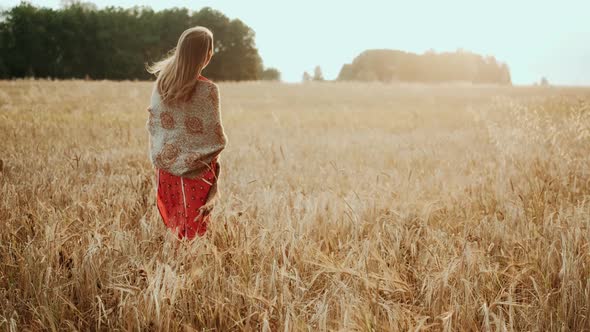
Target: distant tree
x=237, y=57
x=3, y=70
x=430, y=67
x=78, y=41
x=82, y=4
x=346, y=73
x=306, y=77
x=544, y=81
x=270, y=74
x=505, y=77
x=317, y=74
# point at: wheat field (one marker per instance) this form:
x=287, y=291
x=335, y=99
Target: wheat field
x=344, y=207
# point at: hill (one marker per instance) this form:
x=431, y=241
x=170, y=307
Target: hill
x=395, y=65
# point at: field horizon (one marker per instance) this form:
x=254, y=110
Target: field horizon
x=344, y=206
x=447, y=84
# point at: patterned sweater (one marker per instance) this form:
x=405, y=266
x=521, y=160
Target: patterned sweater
x=186, y=139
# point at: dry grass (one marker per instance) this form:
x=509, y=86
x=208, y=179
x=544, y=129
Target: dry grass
x=345, y=207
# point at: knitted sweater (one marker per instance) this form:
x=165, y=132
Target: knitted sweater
x=186, y=139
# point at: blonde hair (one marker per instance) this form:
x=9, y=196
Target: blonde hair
x=178, y=73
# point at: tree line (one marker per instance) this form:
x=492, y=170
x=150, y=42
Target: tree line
x=430, y=67
x=82, y=41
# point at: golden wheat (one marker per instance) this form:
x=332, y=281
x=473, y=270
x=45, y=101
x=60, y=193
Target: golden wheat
x=364, y=207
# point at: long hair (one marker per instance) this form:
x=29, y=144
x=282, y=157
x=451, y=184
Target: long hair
x=178, y=73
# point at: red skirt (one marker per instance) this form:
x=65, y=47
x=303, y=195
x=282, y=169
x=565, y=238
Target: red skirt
x=179, y=200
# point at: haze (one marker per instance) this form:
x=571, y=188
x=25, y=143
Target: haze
x=535, y=38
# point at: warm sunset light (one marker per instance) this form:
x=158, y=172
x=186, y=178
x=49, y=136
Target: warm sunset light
x=304, y=165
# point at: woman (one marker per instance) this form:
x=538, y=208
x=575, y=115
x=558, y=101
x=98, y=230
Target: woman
x=186, y=134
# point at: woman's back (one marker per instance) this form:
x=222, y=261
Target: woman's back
x=186, y=137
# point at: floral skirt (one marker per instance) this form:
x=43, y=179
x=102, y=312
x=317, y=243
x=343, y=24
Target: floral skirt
x=179, y=200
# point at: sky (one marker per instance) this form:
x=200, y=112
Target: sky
x=534, y=37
